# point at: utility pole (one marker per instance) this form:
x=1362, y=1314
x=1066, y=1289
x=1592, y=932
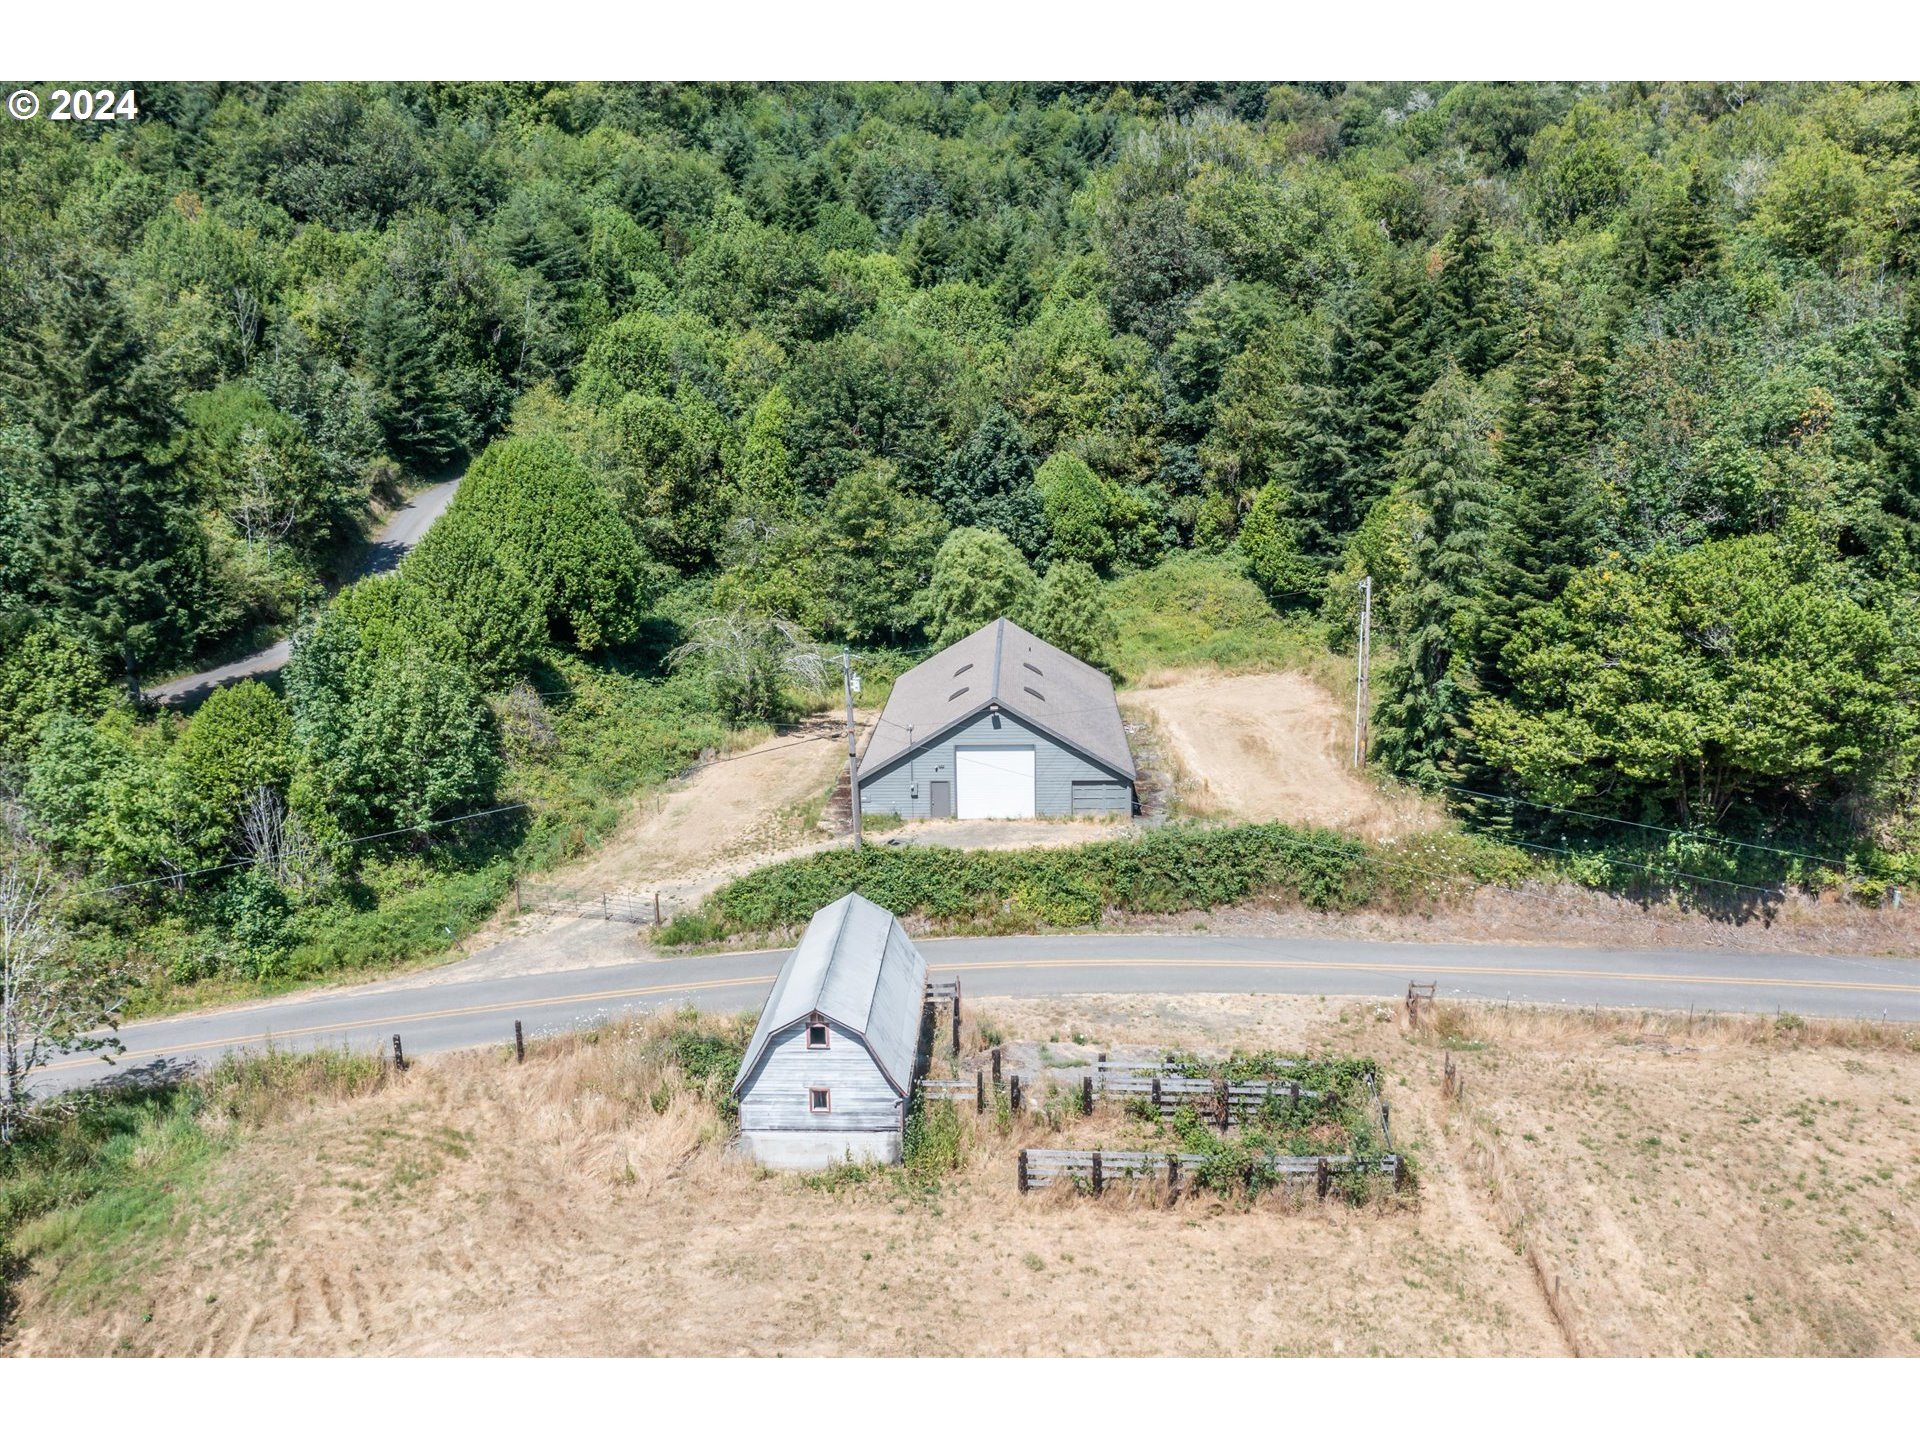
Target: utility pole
x=1362, y=699
x=853, y=757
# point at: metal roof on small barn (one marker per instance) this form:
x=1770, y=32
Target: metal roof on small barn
x=1002, y=664
x=855, y=966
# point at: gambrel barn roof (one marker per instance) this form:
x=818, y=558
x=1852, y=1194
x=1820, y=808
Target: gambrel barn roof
x=854, y=966
x=1001, y=665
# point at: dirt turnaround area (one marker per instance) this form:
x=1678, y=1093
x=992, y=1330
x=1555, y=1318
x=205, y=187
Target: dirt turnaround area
x=1270, y=747
x=1604, y=1185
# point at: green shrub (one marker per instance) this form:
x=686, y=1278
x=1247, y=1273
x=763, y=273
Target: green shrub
x=1201, y=610
x=689, y=927
x=933, y=1143
x=1168, y=870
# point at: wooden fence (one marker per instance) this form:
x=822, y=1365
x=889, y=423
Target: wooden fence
x=976, y=1089
x=626, y=906
x=954, y=1090
x=1098, y=1168
x=1173, y=1092
x=1168, y=1090
x=946, y=993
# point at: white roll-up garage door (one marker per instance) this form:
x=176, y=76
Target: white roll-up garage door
x=993, y=784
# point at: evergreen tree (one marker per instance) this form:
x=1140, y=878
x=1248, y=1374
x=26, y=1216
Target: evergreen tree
x=1420, y=730
x=1269, y=538
x=423, y=426
x=1672, y=234
x=1548, y=506
x=1389, y=369
x=1314, y=458
x=112, y=549
x=1897, y=427
x=1468, y=319
x=988, y=482
x=24, y=487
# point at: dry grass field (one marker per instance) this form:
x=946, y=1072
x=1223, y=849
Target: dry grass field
x=1742, y=1187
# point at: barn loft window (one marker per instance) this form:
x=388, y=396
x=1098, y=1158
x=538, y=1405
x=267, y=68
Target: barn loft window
x=1033, y=692
x=958, y=693
x=816, y=1037
x=1033, y=667
x=819, y=1101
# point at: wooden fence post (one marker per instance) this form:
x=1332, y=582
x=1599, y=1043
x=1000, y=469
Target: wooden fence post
x=1013, y=1095
x=956, y=1017
x=1098, y=1180
x=996, y=1065
x=399, y=1059
x=1226, y=1106
x=656, y=909
x=979, y=1092
x=519, y=1044
x=1294, y=1098
x=1173, y=1176
x=1323, y=1178
x=1399, y=1171
x=1023, y=1172
x=516, y=895
x=1086, y=1095
x=1156, y=1092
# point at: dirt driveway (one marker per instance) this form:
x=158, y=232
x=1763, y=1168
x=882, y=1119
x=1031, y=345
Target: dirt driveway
x=683, y=842
x=1270, y=747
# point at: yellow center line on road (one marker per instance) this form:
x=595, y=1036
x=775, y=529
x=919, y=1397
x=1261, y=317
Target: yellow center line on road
x=455, y=1013
x=1085, y=963
x=1384, y=968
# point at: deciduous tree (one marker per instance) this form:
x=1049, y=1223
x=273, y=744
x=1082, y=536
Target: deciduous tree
x=978, y=576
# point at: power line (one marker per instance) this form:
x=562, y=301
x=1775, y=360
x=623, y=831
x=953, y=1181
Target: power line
x=1641, y=825
x=182, y=876
x=186, y=875
x=1373, y=857
x=1649, y=869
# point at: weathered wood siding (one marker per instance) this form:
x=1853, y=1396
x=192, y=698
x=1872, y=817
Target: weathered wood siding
x=1055, y=768
x=775, y=1095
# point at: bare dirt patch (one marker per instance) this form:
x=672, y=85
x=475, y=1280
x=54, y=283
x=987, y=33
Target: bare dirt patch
x=739, y=809
x=1270, y=747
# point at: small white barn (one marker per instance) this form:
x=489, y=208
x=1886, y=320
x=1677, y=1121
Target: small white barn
x=830, y=1069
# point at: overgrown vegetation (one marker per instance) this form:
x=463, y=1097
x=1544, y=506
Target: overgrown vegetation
x=1164, y=871
x=1336, y=1115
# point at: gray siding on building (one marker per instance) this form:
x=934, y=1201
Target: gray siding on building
x=773, y=1095
x=1055, y=769
x=1102, y=797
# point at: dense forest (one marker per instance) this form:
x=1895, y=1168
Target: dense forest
x=1614, y=391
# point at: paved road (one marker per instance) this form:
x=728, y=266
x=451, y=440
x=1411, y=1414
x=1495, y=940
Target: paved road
x=390, y=542
x=480, y=1012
